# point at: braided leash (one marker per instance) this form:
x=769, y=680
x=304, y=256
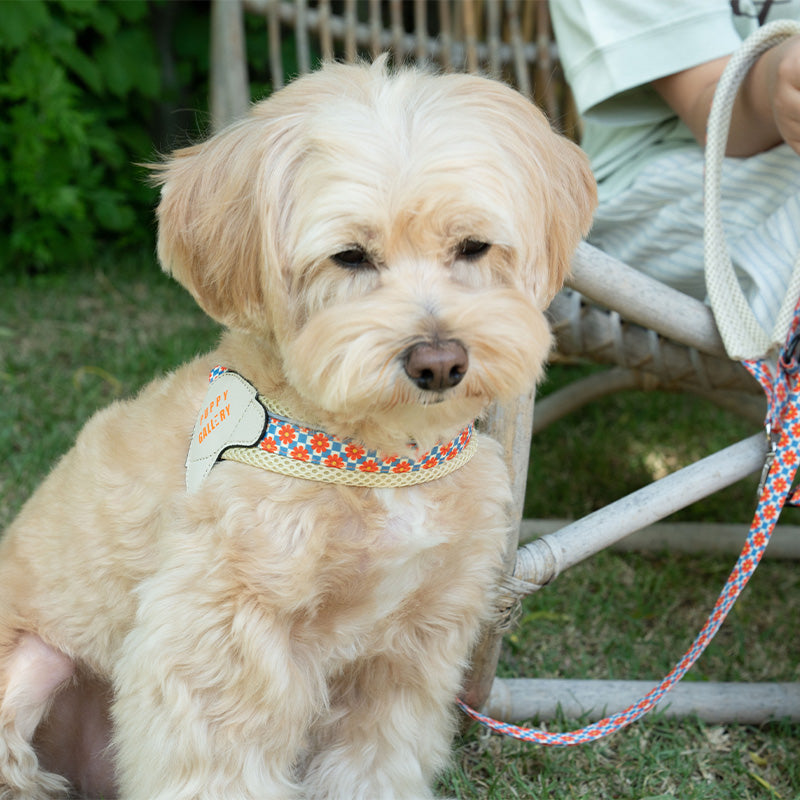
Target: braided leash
x=782, y=387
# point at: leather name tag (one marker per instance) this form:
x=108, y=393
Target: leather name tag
x=231, y=416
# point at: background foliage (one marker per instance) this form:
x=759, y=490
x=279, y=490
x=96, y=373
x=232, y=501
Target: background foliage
x=88, y=89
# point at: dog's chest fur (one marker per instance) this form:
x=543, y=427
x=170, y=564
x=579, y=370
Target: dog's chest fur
x=341, y=568
x=347, y=569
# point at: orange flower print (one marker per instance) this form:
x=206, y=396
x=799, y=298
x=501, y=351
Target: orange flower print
x=430, y=462
x=269, y=444
x=354, y=451
x=300, y=453
x=370, y=465
x=320, y=443
x=334, y=460
x=403, y=466
x=286, y=434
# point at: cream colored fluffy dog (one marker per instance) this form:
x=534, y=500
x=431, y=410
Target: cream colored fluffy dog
x=380, y=248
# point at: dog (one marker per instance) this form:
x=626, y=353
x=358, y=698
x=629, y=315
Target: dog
x=188, y=612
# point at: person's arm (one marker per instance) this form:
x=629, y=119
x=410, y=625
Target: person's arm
x=767, y=108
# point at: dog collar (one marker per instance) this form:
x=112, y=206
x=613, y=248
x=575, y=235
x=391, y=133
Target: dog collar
x=292, y=448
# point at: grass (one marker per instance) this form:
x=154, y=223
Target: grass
x=72, y=344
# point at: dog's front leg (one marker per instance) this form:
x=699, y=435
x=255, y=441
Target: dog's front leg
x=390, y=729
x=209, y=702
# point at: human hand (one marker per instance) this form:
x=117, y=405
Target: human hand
x=783, y=85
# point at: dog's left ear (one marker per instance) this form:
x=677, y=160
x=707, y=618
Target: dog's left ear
x=558, y=192
x=570, y=204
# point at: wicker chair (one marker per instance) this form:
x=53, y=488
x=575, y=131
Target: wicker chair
x=651, y=335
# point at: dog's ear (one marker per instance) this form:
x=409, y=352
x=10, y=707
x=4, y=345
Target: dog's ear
x=218, y=228
x=570, y=201
x=553, y=191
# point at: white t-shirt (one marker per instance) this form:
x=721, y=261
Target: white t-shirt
x=612, y=49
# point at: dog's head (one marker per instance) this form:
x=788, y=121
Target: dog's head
x=397, y=235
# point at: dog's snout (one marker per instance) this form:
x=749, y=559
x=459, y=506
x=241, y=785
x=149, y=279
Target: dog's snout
x=436, y=366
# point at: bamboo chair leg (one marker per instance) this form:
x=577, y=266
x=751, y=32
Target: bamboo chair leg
x=230, y=92
x=511, y=425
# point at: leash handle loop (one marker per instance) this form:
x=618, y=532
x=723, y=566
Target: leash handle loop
x=742, y=334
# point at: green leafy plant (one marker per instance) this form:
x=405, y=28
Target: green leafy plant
x=77, y=81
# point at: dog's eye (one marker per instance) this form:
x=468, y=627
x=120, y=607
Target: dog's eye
x=354, y=258
x=472, y=248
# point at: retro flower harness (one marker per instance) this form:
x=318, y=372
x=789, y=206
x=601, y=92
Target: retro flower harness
x=290, y=448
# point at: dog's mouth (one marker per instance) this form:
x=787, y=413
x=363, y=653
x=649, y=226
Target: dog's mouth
x=432, y=399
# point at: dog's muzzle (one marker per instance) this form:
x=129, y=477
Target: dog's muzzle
x=438, y=365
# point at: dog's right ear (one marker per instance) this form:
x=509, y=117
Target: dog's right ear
x=217, y=230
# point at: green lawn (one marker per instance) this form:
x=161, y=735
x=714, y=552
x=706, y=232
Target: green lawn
x=72, y=344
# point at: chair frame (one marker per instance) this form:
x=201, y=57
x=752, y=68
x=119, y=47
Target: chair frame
x=656, y=336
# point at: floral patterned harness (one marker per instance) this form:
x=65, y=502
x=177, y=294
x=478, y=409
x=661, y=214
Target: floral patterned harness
x=301, y=451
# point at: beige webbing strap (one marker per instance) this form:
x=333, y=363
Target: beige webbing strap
x=741, y=332
x=285, y=465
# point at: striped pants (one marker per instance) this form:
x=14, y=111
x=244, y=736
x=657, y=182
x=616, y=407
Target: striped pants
x=656, y=225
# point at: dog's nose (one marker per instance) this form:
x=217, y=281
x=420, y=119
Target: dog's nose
x=435, y=366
